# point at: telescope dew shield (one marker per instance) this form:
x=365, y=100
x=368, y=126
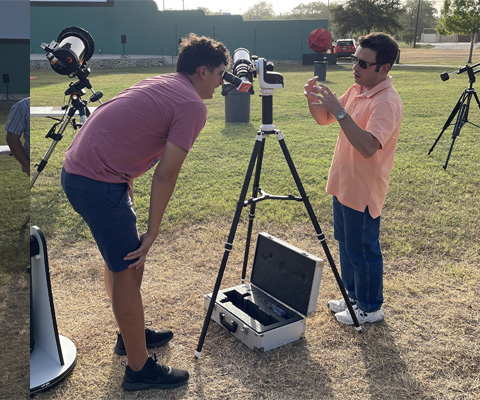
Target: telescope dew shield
x=242, y=64
x=75, y=47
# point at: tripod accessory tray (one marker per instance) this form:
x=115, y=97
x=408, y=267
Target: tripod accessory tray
x=271, y=310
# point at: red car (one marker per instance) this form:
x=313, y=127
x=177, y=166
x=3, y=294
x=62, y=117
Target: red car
x=344, y=48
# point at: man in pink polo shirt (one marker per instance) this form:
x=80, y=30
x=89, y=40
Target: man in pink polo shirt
x=370, y=114
x=154, y=123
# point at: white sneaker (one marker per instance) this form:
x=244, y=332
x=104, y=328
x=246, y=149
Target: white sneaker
x=344, y=317
x=337, y=306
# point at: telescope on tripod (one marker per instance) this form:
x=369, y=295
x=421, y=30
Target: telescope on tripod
x=245, y=69
x=69, y=56
x=462, y=107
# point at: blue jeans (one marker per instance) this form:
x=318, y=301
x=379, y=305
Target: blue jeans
x=361, y=259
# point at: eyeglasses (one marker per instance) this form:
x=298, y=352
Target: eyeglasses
x=363, y=64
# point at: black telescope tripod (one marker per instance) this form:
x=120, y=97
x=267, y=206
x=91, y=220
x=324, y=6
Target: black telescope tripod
x=461, y=108
x=267, y=129
x=75, y=103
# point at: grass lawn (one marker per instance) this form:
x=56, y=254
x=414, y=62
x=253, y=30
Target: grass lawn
x=428, y=346
x=428, y=55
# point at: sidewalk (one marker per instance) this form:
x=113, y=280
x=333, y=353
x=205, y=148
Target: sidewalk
x=451, y=46
x=42, y=57
x=52, y=111
x=39, y=61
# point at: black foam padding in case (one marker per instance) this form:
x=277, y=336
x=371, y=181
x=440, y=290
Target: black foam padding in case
x=284, y=272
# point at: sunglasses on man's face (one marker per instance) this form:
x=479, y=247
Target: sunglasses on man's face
x=363, y=64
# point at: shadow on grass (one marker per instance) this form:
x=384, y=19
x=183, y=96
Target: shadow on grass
x=273, y=374
x=387, y=373
x=228, y=369
x=239, y=128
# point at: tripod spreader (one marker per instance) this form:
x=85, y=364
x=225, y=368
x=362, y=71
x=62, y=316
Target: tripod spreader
x=268, y=196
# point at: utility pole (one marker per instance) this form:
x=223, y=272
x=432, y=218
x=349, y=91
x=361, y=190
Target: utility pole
x=416, y=24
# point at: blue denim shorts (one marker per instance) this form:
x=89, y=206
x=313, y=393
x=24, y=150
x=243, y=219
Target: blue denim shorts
x=108, y=211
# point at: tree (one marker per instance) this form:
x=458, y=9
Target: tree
x=206, y=10
x=408, y=19
x=359, y=17
x=262, y=10
x=461, y=16
x=313, y=10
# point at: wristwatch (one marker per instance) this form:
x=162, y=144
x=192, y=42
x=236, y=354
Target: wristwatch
x=341, y=115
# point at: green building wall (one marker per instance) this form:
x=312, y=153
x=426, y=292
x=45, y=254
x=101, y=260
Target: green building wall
x=153, y=32
x=14, y=61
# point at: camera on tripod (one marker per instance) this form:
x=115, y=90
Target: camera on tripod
x=246, y=68
x=462, y=107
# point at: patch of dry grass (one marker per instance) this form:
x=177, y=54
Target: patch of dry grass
x=438, y=56
x=14, y=334
x=14, y=289
x=427, y=348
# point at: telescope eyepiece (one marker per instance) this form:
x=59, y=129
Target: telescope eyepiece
x=241, y=84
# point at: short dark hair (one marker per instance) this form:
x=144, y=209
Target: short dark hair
x=196, y=51
x=384, y=45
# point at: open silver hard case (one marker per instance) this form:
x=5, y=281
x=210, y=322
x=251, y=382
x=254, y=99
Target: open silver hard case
x=271, y=310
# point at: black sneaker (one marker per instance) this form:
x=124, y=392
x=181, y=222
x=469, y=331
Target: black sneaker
x=154, y=375
x=153, y=338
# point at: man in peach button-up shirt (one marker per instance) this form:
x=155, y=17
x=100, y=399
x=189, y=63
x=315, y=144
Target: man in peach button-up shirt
x=369, y=113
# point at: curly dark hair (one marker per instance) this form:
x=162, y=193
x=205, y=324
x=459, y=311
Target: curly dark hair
x=196, y=51
x=384, y=45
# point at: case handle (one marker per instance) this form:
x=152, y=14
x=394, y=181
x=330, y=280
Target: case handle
x=232, y=327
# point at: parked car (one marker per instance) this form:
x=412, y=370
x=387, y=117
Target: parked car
x=344, y=48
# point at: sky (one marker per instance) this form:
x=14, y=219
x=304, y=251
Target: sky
x=233, y=7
